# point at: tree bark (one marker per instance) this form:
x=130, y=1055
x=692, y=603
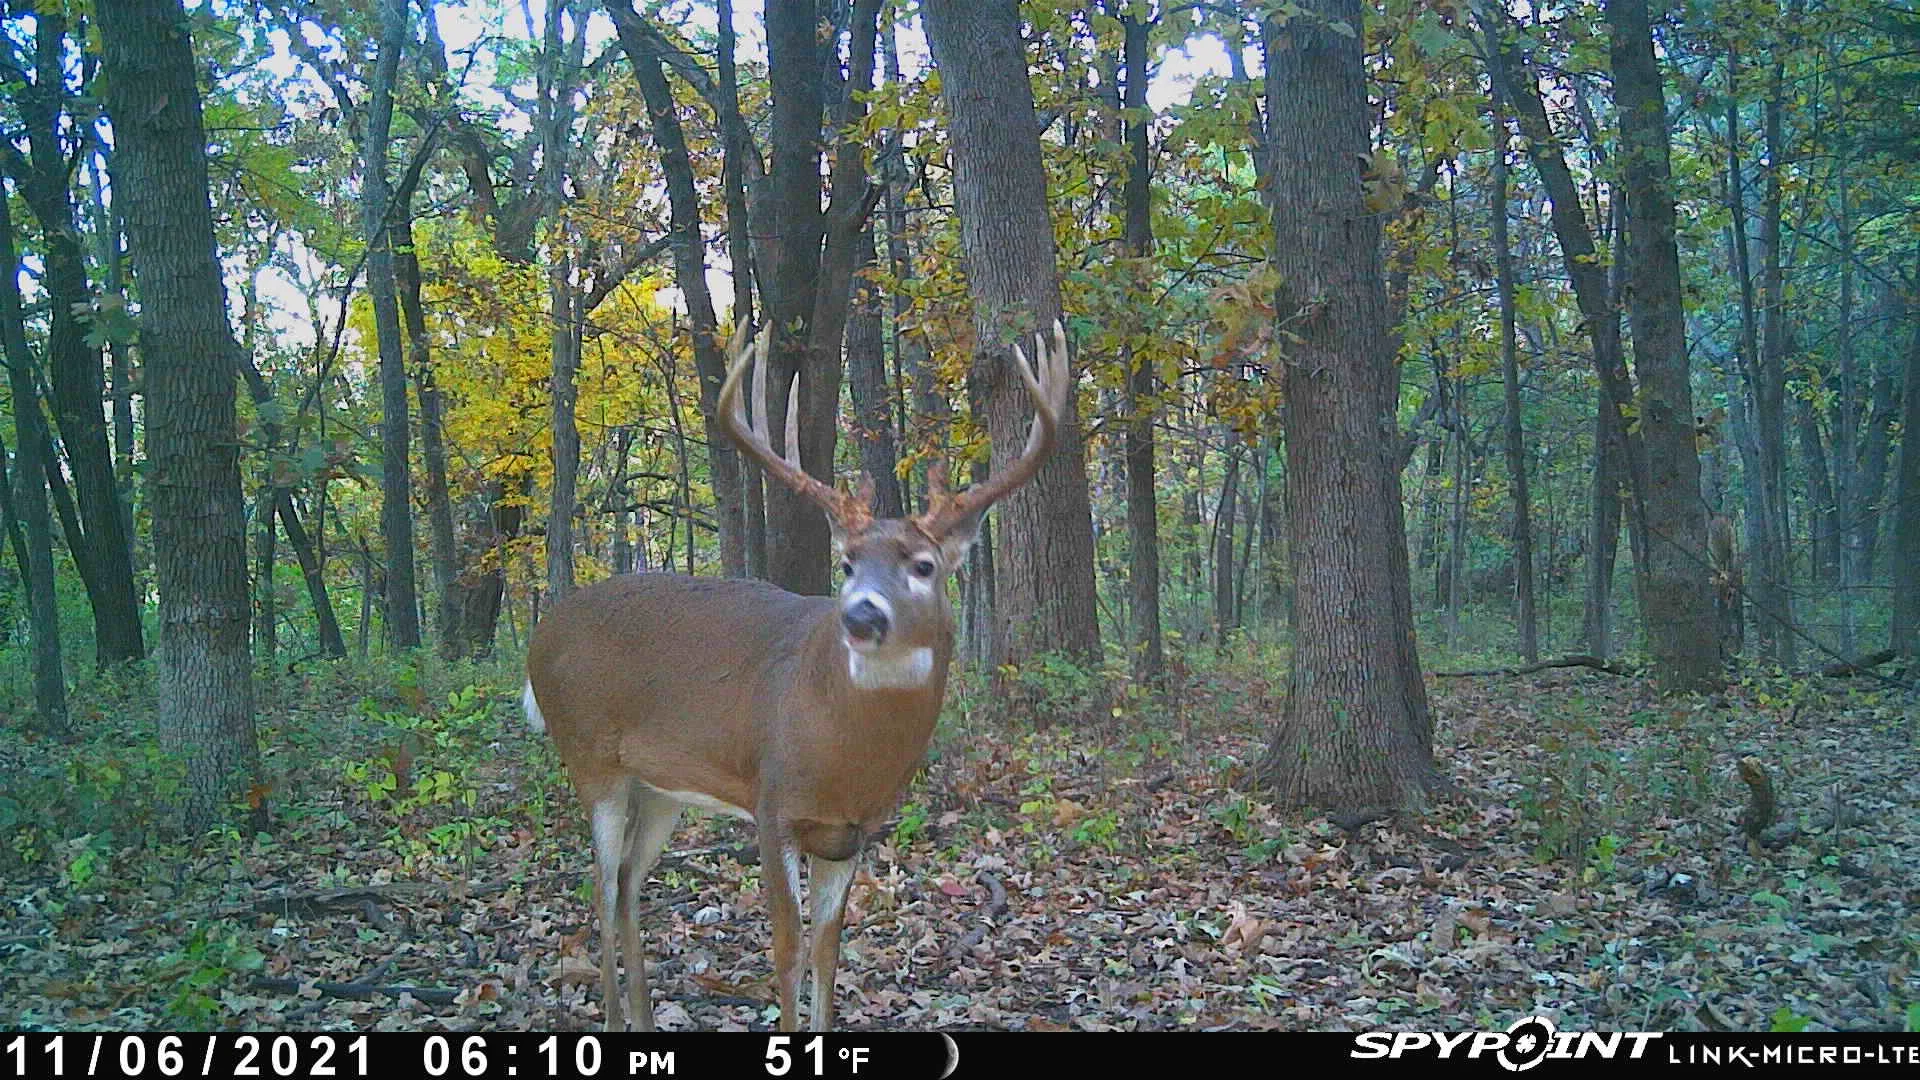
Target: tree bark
x=810, y=262
x=30, y=494
x=1876, y=449
x=199, y=537
x=558, y=75
x=74, y=365
x=332, y=644
x=1143, y=510
x=741, y=163
x=433, y=443
x=378, y=208
x=690, y=273
x=1515, y=434
x=1770, y=386
x=1676, y=594
x=1906, y=527
x=266, y=641
x=1760, y=434
x=1619, y=455
x=1223, y=521
x=562, y=308
x=870, y=389
x=1355, y=731
x=1044, y=598
x=796, y=533
x=106, y=225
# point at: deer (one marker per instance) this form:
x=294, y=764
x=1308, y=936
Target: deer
x=807, y=715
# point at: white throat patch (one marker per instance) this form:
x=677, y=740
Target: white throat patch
x=909, y=670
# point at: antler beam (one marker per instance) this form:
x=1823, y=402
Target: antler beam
x=1050, y=383
x=850, y=512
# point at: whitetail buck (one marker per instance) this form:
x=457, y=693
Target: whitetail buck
x=805, y=714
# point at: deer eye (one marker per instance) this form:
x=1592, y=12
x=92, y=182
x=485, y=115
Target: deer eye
x=846, y=568
x=924, y=567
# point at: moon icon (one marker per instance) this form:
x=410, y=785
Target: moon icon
x=953, y=1056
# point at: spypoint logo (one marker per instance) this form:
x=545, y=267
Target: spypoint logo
x=1525, y=1044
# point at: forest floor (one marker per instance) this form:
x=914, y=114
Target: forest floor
x=428, y=869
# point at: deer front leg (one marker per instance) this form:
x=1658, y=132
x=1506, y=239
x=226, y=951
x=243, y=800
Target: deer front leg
x=780, y=879
x=828, y=882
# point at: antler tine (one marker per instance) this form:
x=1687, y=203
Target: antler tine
x=755, y=437
x=793, y=422
x=1050, y=383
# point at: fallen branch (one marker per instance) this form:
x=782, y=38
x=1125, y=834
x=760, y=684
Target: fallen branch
x=1574, y=660
x=356, y=991
x=1841, y=669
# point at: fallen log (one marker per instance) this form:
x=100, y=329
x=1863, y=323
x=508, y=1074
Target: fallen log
x=1573, y=660
x=1841, y=669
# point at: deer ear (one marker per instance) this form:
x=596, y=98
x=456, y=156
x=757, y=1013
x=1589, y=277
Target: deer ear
x=960, y=536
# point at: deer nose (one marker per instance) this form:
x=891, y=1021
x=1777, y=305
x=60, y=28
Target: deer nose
x=865, y=621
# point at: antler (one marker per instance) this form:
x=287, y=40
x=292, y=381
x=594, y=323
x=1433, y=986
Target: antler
x=1052, y=390
x=851, y=513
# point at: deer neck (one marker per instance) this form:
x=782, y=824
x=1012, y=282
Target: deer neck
x=888, y=679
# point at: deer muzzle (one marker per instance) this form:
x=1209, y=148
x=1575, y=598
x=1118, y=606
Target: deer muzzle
x=866, y=622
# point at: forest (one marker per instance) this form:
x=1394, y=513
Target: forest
x=1472, y=571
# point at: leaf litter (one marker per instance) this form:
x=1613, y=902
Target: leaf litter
x=1587, y=864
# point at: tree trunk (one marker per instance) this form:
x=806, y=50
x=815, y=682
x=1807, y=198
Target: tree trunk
x=1770, y=387
x=1515, y=434
x=796, y=532
x=1223, y=521
x=1906, y=528
x=1676, y=595
x=106, y=224
x=690, y=273
x=16, y=539
x=379, y=207
x=1849, y=507
x=1876, y=449
x=313, y=573
x=739, y=160
x=557, y=77
x=75, y=372
x=1044, y=598
x=266, y=617
x=1823, y=511
x=1143, y=510
x=281, y=503
x=1603, y=528
x=1355, y=730
x=199, y=530
x=433, y=445
x=30, y=495
x=1762, y=444
x=1457, y=515
x=870, y=389
x=562, y=305
x=480, y=589
x=1619, y=455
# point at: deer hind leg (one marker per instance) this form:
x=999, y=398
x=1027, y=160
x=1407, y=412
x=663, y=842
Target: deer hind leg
x=609, y=846
x=828, y=881
x=651, y=818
